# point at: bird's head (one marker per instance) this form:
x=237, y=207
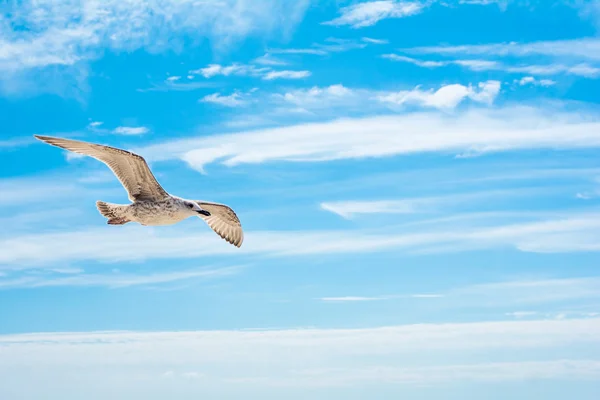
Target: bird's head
x=195, y=209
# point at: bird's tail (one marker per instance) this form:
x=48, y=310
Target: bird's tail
x=111, y=211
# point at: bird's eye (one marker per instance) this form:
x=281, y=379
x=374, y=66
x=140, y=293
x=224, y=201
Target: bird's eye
x=190, y=206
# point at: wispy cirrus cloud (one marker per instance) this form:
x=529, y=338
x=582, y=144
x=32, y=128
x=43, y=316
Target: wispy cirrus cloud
x=329, y=45
x=268, y=59
x=585, y=48
x=370, y=12
x=351, y=208
x=531, y=293
x=213, y=70
x=313, y=51
x=111, y=280
x=15, y=142
x=320, y=100
x=64, y=35
x=581, y=69
x=475, y=130
x=50, y=50
x=375, y=41
x=131, y=130
x=532, y=81
x=286, y=74
x=447, y=97
x=233, y=100
x=352, y=299
x=266, y=73
x=236, y=362
x=572, y=233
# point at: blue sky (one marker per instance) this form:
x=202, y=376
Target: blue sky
x=418, y=181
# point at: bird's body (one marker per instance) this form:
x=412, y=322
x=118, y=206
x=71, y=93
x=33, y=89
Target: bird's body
x=162, y=212
x=151, y=204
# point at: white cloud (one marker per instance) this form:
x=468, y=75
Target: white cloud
x=375, y=41
x=60, y=34
x=345, y=299
x=480, y=130
x=522, y=314
x=268, y=59
x=530, y=80
x=571, y=233
x=236, y=362
x=590, y=9
x=318, y=97
x=318, y=52
x=16, y=142
x=351, y=299
x=447, y=97
x=178, y=86
x=234, y=69
x=286, y=75
x=335, y=45
x=95, y=124
x=420, y=63
x=116, y=280
x=233, y=100
x=507, y=294
x=336, y=99
x=587, y=48
x=525, y=292
x=131, y=130
x=370, y=12
x=173, y=78
x=330, y=45
x=46, y=45
x=27, y=190
x=248, y=70
x=581, y=69
x=350, y=208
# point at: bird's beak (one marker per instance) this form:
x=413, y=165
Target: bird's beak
x=204, y=212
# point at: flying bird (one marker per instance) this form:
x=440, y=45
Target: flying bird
x=150, y=203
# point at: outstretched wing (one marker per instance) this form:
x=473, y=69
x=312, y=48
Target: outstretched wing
x=223, y=221
x=131, y=169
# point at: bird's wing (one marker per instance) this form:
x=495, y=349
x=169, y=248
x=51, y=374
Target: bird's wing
x=131, y=169
x=223, y=221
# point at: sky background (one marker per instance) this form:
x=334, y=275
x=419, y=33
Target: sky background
x=418, y=182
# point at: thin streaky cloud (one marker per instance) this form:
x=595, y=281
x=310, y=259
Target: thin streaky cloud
x=15, y=142
x=119, y=280
x=323, y=100
x=268, y=59
x=233, y=100
x=131, y=130
x=446, y=97
x=509, y=293
x=481, y=130
x=370, y=13
x=413, y=205
x=532, y=81
x=65, y=35
x=351, y=299
x=318, y=52
x=580, y=69
x=269, y=76
x=178, y=86
x=585, y=48
x=375, y=41
x=213, y=70
x=569, y=234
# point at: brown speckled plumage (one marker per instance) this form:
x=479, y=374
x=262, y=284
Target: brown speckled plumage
x=151, y=204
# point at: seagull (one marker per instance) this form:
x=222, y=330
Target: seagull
x=150, y=203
